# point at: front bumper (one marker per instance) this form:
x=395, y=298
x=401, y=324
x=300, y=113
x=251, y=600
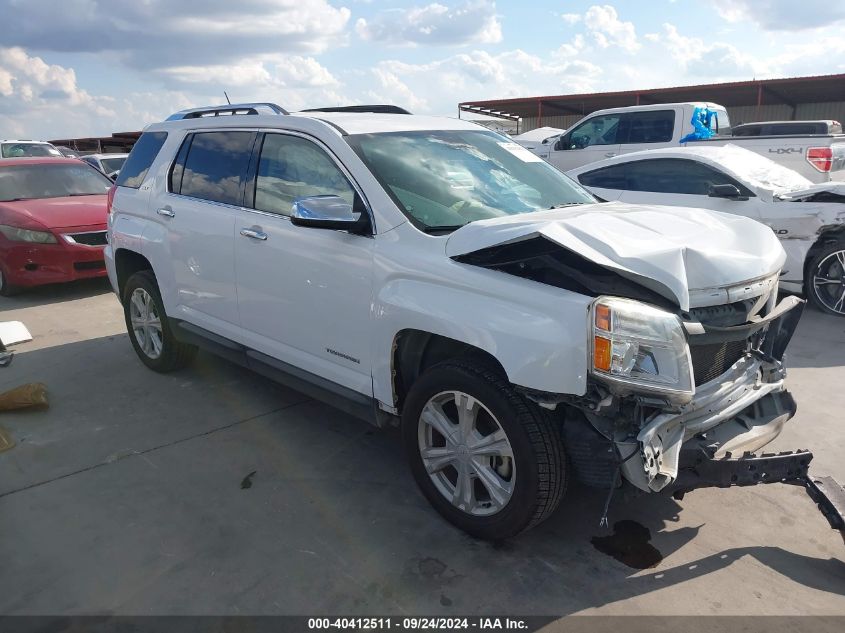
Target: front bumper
x=740, y=411
x=27, y=264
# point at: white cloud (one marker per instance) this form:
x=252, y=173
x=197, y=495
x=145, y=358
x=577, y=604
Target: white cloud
x=472, y=22
x=479, y=75
x=608, y=30
x=571, y=18
x=151, y=34
x=782, y=15
x=716, y=59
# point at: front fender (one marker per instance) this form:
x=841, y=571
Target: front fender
x=537, y=333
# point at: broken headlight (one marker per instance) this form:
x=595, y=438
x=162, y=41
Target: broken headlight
x=639, y=345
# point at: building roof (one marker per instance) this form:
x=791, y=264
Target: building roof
x=789, y=91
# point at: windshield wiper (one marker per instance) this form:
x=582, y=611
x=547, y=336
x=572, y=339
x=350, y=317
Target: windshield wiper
x=72, y=195
x=567, y=204
x=16, y=199
x=440, y=228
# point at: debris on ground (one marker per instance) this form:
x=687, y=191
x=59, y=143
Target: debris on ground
x=33, y=394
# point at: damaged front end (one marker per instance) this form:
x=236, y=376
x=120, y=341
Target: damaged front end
x=675, y=442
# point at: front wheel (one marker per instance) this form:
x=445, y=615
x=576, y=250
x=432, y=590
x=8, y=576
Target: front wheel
x=825, y=283
x=488, y=460
x=148, y=327
x=7, y=289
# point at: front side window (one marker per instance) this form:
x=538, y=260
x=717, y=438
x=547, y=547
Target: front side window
x=292, y=167
x=655, y=126
x=22, y=182
x=600, y=130
x=662, y=175
x=444, y=179
x=215, y=166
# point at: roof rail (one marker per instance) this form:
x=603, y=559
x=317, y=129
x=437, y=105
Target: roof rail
x=226, y=110
x=377, y=109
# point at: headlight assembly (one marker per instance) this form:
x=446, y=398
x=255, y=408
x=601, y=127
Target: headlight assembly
x=15, y=234
x=639, y=345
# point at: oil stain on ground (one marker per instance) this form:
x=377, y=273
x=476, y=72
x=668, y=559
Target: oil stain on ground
x=629, y=544
x=246, y=482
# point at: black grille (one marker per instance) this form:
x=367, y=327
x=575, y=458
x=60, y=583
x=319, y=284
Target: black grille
x=713, y=360
x=90, y=239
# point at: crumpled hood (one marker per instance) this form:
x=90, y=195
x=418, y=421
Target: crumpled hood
x=834, y=187
x=670, y=250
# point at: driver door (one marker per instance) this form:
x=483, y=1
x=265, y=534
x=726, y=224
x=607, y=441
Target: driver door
x=304, y=294
x=592, y=140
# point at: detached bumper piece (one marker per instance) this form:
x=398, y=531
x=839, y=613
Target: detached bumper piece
x=698, y=469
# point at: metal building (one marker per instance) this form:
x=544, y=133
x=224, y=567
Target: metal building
x=796, y=98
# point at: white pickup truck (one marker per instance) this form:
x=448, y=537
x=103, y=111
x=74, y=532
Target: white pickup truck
x=607, y=133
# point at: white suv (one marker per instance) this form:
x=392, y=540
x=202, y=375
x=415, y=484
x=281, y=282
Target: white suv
x=430, y=272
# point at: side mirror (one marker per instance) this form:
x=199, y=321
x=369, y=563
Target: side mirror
x=330, y=212
x=726, y=191
x=561, y=142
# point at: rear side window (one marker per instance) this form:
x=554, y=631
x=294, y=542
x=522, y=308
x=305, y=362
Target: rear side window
x=138, y=163
x=663, y=175
x=650, y=126
x=212, y=166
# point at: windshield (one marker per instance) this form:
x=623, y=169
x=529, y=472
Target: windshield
x=112, y=164
x=19, y=182
x=445, y=179
x=28, y=150
x=760, y=171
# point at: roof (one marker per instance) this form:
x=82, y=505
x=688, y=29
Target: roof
x=24, y=140
x=343, y=122
x=38, y=160
x=367, y=123
x=108, y=155
x=788, y=91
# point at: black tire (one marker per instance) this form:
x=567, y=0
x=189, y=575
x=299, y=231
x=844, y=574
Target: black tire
x=174, y=354
x=538, y=456
x=7, y=289
x=824, y=263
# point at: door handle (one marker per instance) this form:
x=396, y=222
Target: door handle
x=255, y=234
x=610, y=154
x=166, y=212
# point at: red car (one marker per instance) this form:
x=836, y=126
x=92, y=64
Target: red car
x=52, y=222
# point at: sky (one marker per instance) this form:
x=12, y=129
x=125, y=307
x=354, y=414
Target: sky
x=71, y=68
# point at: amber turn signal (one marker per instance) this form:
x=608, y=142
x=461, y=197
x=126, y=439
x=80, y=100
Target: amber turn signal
x=601, y=353
x=603, y=317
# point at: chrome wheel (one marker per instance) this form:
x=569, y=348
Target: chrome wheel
x=146, y=324
x=466, y=453
x=829, y=282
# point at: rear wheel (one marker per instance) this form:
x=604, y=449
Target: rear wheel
x=825, y=283
x=488, y=460
x=148, y=327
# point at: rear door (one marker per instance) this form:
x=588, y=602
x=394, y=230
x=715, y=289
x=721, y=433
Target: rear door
x=647, y=129
x=304, y=294
x=205, y=194
x=592, y=140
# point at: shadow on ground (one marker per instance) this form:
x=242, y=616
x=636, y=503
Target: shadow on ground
x=56, y=293
x=127, y=496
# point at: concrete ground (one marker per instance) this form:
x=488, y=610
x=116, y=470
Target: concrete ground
x=129, y=496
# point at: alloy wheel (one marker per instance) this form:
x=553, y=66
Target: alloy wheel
x=829, y=282
x=466, y=453
x=146, y=324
